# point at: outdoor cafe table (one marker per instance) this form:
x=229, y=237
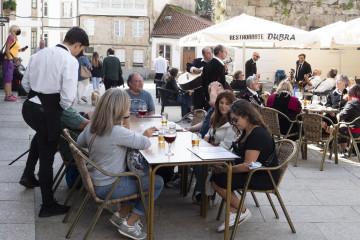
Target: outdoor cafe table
x=156, y=158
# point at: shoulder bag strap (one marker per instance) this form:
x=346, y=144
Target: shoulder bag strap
x=91, y=142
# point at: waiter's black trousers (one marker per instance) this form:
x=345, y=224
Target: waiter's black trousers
x=40, y=148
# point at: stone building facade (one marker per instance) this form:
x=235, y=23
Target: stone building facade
x=304, y=14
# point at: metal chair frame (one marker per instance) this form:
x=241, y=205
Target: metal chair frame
x=163, y=93
x=80, y=160
x=314, y=134
x=286, y=151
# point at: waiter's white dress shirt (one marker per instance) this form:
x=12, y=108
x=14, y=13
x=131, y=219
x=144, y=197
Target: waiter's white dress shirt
x=52, y=70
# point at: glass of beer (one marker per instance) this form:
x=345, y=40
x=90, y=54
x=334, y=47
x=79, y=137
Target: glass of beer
x=161, y=135
x=164, y=119
x=195, y=139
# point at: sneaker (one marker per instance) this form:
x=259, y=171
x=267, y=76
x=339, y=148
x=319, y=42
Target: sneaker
x=53, y=210
x=343, y=152
x=79, y=102
x=116, y=220
x=10, y=99
x=243, y=217
x=84, y=99
x=17, y=98
x=196, y=198
x=133, y=232
x=29, y=181
x=215, y=200
x=174, y=184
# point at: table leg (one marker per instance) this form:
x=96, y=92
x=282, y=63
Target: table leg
x=204, y=198
x=336, y=143
x=228, y=197
x=150, y=221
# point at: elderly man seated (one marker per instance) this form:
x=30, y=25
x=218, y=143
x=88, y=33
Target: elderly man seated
x=251, y=92
x=326, y=84
x=312, y=82
x=138, y=94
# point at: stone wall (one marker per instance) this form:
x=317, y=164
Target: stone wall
x=304, y=14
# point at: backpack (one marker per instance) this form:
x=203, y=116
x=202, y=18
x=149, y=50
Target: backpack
x=3, y=54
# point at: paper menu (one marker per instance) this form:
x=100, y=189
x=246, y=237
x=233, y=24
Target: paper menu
x=209, y=153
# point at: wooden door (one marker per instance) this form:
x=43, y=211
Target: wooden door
x=188, y=56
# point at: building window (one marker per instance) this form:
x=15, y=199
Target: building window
x=67, y=9
x=34, y=3
x=138, y=59
x=140, y=4
x=45, y=9
x=120, y=53
x=119, y=30
x=167, y=52
x=33, y=40
x=89, y=26
x=45, y=37
x=117, y=4
x=138, y=28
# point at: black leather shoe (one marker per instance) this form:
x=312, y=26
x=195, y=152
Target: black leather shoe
x=29, y=181
x=53, y=210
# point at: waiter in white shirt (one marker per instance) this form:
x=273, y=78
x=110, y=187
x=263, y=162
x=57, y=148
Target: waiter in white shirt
x=160, y=66
x=50, y=80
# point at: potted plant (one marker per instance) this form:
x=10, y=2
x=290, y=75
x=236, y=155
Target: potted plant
x=9, y=5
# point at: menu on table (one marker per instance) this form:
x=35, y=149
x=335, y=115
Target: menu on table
x=210, y=153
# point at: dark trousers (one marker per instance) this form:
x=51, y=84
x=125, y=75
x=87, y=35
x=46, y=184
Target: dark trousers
x=110, y=84
x=158, y=76
x=198, y=99
x=40, y=148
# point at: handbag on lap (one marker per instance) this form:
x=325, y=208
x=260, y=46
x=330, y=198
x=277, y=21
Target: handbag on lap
x=136, y=162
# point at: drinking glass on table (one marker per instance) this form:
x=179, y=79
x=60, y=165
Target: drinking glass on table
x=142, y=109
x=323, y=101
x=195, y=139
x=161, y=135
x=164, y=119
x=315, y=100
x=170, y=136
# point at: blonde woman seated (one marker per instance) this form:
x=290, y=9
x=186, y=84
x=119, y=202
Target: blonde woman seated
x=255, y=144
x=282, y=101
x=108, y=151
x=221, y=134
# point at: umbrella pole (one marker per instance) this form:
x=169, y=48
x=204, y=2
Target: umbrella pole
x=340, y=60
x=243, y=53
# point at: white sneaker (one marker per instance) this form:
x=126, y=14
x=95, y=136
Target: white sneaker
x=116, y=220
x=243, y=217
x=133, y=232
x=215, y=199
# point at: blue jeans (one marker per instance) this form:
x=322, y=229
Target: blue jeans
x=185, y=107
x=95, y=82
x=128, y=186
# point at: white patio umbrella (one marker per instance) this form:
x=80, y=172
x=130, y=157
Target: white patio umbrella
x=349, y=35
x=326, y=34
x=248, y=31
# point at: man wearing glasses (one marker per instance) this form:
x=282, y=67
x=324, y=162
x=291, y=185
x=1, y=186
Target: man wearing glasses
x=250, y=66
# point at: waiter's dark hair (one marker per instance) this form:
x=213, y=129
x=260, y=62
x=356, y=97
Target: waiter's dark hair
x=217, y=49
x=333, y=73
x=77, y=34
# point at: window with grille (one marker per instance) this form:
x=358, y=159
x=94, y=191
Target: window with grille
x=119, y=30
x=45, y=9
x=138, y=59
x=138, y=28
x=167, y=52
x=120, y=53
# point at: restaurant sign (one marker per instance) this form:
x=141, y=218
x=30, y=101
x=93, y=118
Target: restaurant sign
x=268, y=36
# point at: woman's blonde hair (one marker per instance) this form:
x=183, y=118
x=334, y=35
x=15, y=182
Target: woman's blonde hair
x=13, y=29
x=284, y=86
x=110, y=111
x=95, y=60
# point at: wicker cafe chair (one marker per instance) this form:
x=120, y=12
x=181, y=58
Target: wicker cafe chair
x=311, y=130
x=80, y=160
x=271, y=118
x=257, y=107
x=198, y=115
x=70, y=137
x=286, y=150
x=353, y=141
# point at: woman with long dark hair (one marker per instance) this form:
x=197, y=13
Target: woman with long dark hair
x=96, y=71
x=178, y=97
x=255, y=144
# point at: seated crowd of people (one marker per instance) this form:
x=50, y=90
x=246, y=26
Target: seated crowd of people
x=231, y=122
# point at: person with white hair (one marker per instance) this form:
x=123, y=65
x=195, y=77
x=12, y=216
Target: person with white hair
x=41, y=47
x=251, y=92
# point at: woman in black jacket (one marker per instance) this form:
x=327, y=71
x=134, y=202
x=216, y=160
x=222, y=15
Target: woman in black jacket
x=178, y=97
x=96, y=71
x=349, y=113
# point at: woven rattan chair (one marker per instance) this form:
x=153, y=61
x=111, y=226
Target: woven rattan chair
x=286, y=150
x=80, y=160
x=257, y=107
x=311, y=131
x=353, y=141
x=271, y=118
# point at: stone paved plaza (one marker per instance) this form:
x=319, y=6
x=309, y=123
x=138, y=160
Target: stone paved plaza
x=322, y=204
